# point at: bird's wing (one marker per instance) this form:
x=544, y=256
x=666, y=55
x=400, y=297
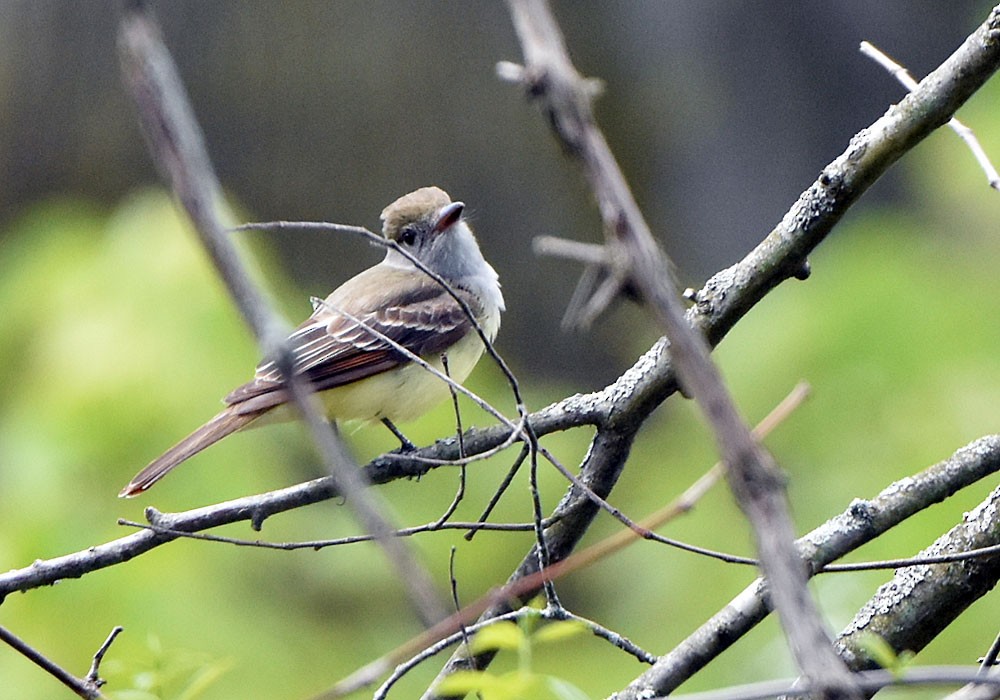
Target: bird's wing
x=331, y=350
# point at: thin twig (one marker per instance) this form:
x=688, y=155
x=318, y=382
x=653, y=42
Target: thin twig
x=605, y=547
x=381, y=666
x=598, y=630
x=498, y=493
x=88, y=687
x=93, y=676
x=964, y=132
x=919, y=560
x=604, y=277
x=460, y=493
x=602, y=503
x=541, y=546
x=453, y=581
x=336, y=542
x=567, y=248
x=990, y=659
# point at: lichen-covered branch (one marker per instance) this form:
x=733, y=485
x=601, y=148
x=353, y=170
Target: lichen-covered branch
x=863, y=521
x=921, y=601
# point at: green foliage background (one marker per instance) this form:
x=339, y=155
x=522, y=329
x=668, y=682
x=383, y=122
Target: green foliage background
x=118, y=339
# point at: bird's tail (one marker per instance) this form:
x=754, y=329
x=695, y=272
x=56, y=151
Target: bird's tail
x=227, y=422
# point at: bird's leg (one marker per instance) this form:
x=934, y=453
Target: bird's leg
x=404, y=442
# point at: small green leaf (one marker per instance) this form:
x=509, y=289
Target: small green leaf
x=204, y=678
x=463, y=683
x=559, y=631
x=879, y=651
x=514, y=685
x=503, y=635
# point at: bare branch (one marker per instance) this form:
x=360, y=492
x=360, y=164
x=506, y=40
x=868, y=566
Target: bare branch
x=920, y=601
x=620, y=408
x=752, y=473
x=256, y=509
x=435, y=526
x=862, y=522
x=88, y=687
x=93, y=676
x=605, y=276
x=990, y=659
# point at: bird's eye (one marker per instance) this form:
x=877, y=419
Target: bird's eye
x=408, y=236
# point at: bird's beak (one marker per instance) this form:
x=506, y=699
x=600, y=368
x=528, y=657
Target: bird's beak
x=448, y=216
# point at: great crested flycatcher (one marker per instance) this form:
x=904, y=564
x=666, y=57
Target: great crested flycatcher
x=358, y=375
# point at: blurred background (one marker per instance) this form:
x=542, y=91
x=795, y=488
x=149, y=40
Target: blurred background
x=118, y=340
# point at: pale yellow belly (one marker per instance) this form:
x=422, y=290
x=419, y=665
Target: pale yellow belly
x=400, y=395
x=405, y=393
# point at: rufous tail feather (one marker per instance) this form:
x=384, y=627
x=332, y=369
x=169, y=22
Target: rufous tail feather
x=226, y=423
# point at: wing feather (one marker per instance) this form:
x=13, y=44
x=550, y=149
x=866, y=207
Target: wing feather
x=331, y=350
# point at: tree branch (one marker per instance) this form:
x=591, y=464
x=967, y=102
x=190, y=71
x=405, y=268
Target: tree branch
x=921, y=601
x=88, y=687
x=753, y=476
x=862, y=522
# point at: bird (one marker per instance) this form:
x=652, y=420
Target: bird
x=357, y=374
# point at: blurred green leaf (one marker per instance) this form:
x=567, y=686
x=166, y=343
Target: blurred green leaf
x=500, y=636
x=204, y=678
x=879, y=651
x=464, y=682
x=164, y=674
x=515, y=685
x=559, y=631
